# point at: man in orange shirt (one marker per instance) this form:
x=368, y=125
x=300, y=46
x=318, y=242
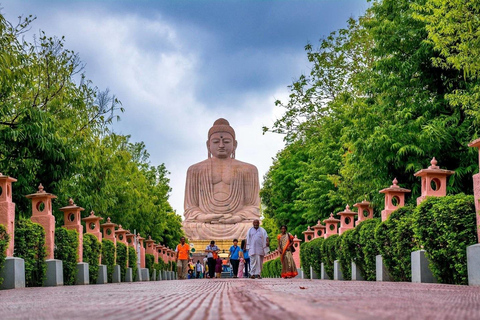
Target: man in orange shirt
x=183, y=253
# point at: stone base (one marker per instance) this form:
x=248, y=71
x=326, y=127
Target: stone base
x=300, y=274
x=154, y=275
x=117, y=275
x=145, y=274
x=473, y=265
x=83, y=276
x=323, y=273
x=102, y=274
x=159, y=275
x=356, y=273
x=13, y=273
x=380, y=269
x=54, y=273
x=420, y=270
x=337, y=270
x=138, y=275
x=313, y=274
x=128, y=275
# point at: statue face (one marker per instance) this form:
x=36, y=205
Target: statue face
x=221, y=145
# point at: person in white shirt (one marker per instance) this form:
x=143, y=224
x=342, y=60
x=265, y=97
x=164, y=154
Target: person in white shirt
x=257, y=246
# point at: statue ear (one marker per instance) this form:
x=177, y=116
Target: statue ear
x=208, y=150
x=235, y=143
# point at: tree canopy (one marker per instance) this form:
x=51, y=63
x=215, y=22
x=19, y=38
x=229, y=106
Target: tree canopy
x=384, y=96
x=55, y=130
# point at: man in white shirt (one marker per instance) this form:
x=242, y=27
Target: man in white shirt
x=257, y=246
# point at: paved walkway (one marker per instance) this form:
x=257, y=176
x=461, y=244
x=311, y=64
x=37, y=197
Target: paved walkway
x=244, y=299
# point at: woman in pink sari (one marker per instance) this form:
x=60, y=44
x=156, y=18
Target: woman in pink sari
x=285, y=245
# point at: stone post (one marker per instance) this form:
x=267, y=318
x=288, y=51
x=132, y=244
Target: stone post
x=309, y=234
x=318, y=230
x=476, y=187
x=121, y=235
x=347, y=219
x=142, y=251
x=394, y=198
x=72, y=219
x=109, y=231
x=42, y=214
x=331, y=225
x=92, y=223
x=7, y=210
x=434, y=181
x=296, y=254
x=365, y=211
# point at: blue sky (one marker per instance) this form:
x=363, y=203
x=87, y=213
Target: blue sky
x=177, y=66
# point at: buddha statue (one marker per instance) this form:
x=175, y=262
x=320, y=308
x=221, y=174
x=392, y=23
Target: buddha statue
x=221, y=193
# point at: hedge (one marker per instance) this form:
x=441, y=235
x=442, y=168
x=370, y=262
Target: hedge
x=132, y=260
x=4, y=240
x=367, y=248
x=272, y=268
x=149, y=262
x=92, y=249
x=122, y=259
x=329, y=253
x=445, y=227
x=108, y=257
x=66, y=249
x=30, y=246
x=311, y=255
x=395, y=242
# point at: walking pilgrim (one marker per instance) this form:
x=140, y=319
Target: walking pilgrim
x=257, y=246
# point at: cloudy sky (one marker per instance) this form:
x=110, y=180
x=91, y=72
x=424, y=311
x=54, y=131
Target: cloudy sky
x=179, y=65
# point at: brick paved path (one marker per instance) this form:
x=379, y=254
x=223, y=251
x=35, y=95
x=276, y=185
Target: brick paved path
x=244, y=299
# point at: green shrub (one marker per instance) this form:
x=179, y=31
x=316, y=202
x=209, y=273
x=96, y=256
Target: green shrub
x=329, y=253
x=367, y=248
x=346, y=253
x=395, y=242
x=445, y=227
x=66, y=249
x=272, y=269
x=30, y=246
x=306, y=257
x=122, y=259
x=132, y=260
x=92, y=249
x=108, y=257
x=161, y=265
x=4, y=240
x=149, y=262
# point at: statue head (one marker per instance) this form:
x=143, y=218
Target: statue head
x=221, y=140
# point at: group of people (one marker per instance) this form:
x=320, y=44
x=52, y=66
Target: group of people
x=249, y=255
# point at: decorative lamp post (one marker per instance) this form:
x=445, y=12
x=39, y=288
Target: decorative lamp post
x=296, y=254
x=130, y=240
x=365, y=211
x=434, y=181
x=318, y=230
x=347, y=219
x=121, y=235
x=331, y=225
x=142, y=250
x=7, y=210
x=150, y=244
x=42, y=214
x=394, y=198
x=72, y=219
x=92, y=225
x=109, y=231
x=309, y=234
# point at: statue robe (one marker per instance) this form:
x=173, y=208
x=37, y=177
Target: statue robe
x=242, y=201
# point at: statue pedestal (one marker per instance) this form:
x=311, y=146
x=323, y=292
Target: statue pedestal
x=200, y=245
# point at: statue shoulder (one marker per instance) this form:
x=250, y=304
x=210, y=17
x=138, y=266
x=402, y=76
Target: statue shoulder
x=244, y=166
x=197, y=167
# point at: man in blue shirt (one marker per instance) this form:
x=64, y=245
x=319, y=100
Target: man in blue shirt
x=233, y=256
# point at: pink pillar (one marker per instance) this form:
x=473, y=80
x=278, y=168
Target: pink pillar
x=158, y=252
x=309, y=234
x=394, y=198
x=92, y=223
x=434, y=181
x=347, y=219
x=121, y=235
x=331, y=226
x=365, y=211
x=109, y=231
x=296, y=254
x=318, y=230
x=476, y=187
x=43, y=215
x=150, y=246
x=72, y=219
x=142, y=251
x=131, y=240
x=7, y=210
